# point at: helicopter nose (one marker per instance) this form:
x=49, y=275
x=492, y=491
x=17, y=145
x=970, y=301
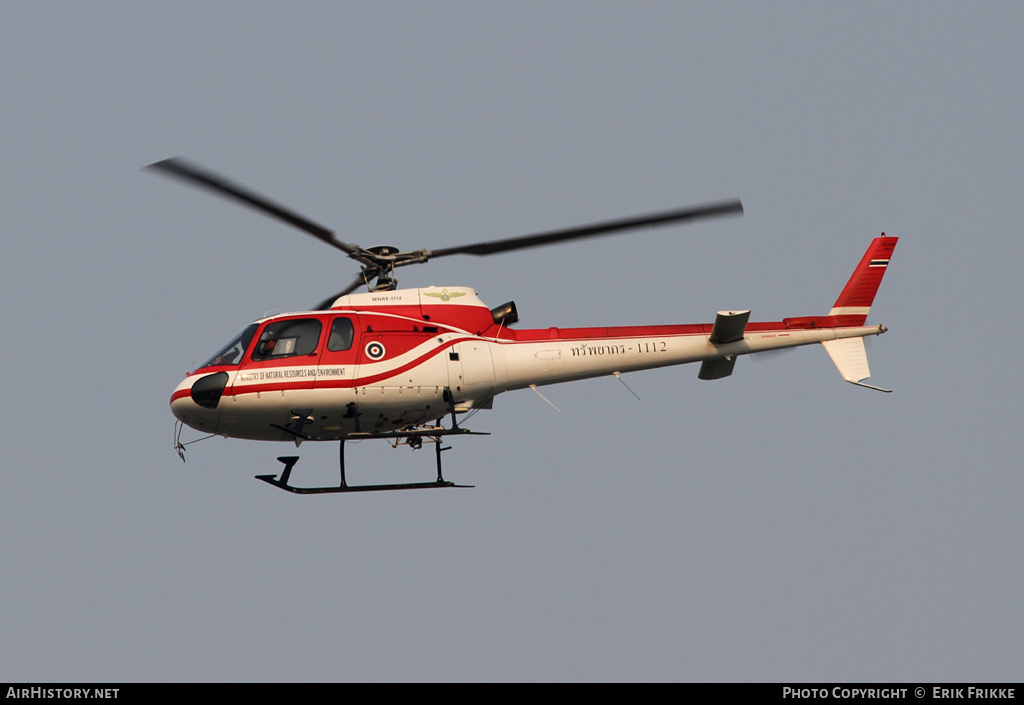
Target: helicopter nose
x=195, y=404
x=207, y=390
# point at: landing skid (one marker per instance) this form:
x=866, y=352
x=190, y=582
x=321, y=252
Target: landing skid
x=414, y=438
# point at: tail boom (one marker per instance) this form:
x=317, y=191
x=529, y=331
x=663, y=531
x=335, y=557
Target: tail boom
x=553, y=355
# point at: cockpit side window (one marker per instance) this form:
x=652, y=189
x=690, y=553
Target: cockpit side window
x=297, y=336
x=342, y=333
x=232, y=353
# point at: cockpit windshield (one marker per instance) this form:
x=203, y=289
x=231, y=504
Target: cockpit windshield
x=232, y=353
x=287, y=338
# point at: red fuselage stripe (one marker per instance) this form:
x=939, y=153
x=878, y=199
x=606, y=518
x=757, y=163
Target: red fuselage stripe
x=328, y=384
x=521, y=336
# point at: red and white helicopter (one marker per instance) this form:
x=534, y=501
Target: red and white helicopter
x=395, y=364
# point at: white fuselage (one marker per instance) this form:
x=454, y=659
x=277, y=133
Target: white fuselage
x=404, y=352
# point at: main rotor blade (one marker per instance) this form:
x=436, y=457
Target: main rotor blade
x=606, y=228
x=182, y=169
x=325, y=305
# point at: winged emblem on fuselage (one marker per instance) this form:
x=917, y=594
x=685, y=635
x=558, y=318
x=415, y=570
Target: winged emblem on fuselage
x=445, y=295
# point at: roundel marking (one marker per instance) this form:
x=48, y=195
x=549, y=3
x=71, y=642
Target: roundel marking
x=375, y=350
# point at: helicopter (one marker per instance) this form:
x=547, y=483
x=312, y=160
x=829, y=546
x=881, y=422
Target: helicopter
x=402, y=365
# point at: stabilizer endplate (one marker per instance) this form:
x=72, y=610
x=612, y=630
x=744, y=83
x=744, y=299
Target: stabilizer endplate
x=729, y=327
x=717, y=368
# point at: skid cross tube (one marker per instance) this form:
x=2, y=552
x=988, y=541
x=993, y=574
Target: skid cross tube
x=434, y=435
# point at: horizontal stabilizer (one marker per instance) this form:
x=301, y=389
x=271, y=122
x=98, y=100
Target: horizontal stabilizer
x=717, y=368
x=851, y=360
x=729, y=327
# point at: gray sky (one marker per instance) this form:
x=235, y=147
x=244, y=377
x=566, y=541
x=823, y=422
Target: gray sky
x=775, y=525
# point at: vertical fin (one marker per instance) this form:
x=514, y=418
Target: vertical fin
x=851, y=360
x=853, y=304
